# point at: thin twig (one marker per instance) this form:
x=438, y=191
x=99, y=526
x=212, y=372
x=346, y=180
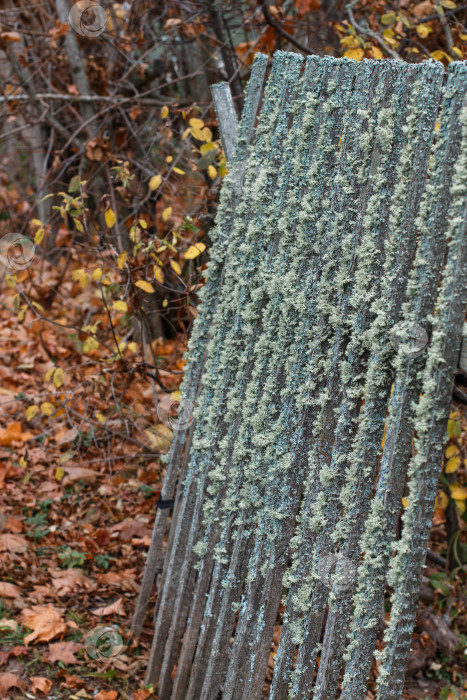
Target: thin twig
x=369, y=32
x=280, y=30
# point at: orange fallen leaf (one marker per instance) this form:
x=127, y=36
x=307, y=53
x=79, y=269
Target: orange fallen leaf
x=9, y=680
x=9, y=590
x=13, y=543
x=106, y=695
x=13, y=433
x=116, y=608
x=64, y=652
x=45, y=623
x=142, y=694
x=40, y=685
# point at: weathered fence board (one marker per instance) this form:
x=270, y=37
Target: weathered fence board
x=343, y=215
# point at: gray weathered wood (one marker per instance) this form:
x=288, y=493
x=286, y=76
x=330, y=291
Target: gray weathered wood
x=226, y=117
x=333, y=227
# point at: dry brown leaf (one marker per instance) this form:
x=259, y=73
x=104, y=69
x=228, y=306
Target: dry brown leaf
x=70, y=580
x=45, y=623
x=9, y=590
x=13, y=543
x=9, y=680
x=40, y=685
x=116, y=608
x=64, y=652
x=79, y=473
x=131, y=528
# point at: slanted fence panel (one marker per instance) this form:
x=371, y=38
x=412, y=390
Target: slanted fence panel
x=328, y=333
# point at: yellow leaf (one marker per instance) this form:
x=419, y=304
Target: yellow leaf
x=39, y=236
x=37, y=222
x=437, y=126
x=423, y=30
x=451, y=451
x=59, y=377
x=355, y=54
x=198, y=134
x=186, y=133
x=155, y=182
x=456, y=51
x=97, y=274
x=206, y=147
x=164, y=112
x=110, y=218
x=84, y=280
x=196, y=123
x=179, y=171
x=77, y=274
x=158, y=274
x=31, y=412
x=176, y=395
x=452, y=465
x=461, y=507
x=212, y=172
x=122, y=260
x=120, y=306
x=442, y=500
x=59, y=473
x=47, y=408
x=22, y=312
x=438, y=55
x=405, y=503
x=22, y=463
x=377, y=53
x=176, y=267
x=145, y=286
x=463, y=37
x=207, y=134
x=133, y=347
x=449, y=4
x=100, y=417
x=194, y=250
x=167, y=213
x=90, y=344
x=48, y=374
x=458, y=493
x=165, y=303
x=160, y=437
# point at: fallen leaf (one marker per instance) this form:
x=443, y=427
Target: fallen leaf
x=142, y=694
x=9, y=680
x=79, y=473
x=45, y=623
x=13, y=433
x=106, y=695
x=69, y=581
x=72, y=682
x=9, y=590
x=64, y=652
x=40, y=685
x=6, y=624
x=145, y=286
x=115, y=608
x=13, y=543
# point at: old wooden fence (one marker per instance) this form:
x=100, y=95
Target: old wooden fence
x=320, y=369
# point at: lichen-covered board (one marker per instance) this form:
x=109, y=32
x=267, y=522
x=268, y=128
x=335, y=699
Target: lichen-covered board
x=343, y=215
